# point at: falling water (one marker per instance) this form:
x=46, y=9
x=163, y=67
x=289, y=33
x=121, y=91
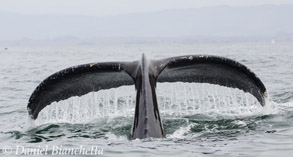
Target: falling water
x=101, y=104
x=198, y=119
x=180, y=99
x=175, y=100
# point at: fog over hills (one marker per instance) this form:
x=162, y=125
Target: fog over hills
x=266, y=21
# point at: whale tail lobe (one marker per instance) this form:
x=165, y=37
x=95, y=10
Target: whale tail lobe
x=144, y=74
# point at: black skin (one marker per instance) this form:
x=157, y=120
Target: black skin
x=144, y=74
x=147, y=120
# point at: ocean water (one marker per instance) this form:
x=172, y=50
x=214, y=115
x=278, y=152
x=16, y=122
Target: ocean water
x=198, y=119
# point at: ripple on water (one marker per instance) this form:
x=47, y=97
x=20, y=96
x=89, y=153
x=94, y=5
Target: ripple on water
x=194, y=127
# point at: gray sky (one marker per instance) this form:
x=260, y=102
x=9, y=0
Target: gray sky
x=115, y=7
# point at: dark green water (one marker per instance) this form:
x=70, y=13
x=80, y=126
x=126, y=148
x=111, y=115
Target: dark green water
x=193, y=125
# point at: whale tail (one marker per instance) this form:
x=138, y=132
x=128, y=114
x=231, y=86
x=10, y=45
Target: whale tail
x=144, y=74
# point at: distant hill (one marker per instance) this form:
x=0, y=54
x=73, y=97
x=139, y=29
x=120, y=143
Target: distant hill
x=221, y=21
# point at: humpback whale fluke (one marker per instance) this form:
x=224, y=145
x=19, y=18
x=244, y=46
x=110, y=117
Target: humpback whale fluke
x=144, y=74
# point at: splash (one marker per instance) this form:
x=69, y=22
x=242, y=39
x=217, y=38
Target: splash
x=95, y=105
x=181, y=132
x=174, y=99
x=181, y=99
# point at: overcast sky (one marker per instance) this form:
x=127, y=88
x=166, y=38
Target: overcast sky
x=115, y=7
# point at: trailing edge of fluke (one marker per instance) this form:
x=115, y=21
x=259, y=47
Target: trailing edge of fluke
x=144, y=74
